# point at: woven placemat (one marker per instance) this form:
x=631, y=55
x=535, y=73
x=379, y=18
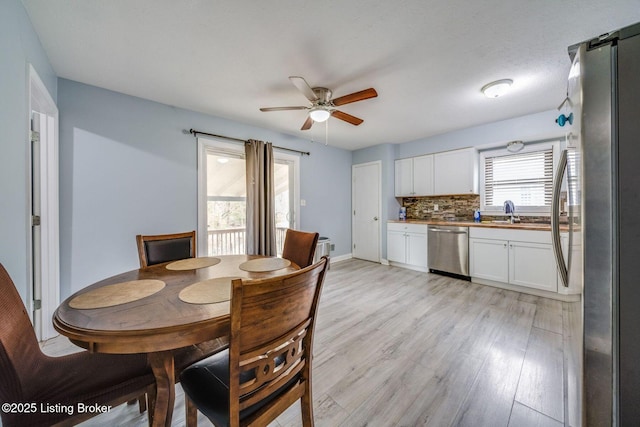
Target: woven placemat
x=208, y=291
x=193, y=263
x=264, y=264
x=116, y=294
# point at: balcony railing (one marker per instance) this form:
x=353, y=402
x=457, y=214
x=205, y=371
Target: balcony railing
x=231, y=241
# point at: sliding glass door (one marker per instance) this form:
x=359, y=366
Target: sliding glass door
x=222, y=197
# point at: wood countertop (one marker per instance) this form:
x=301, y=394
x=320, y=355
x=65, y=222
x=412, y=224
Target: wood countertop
x=517, y=226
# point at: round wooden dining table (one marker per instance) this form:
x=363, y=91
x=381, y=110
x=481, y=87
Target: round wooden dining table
x=158, y=309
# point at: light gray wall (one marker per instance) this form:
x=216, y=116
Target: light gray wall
x=532, y=127
x=127, y=168
x=19, y=47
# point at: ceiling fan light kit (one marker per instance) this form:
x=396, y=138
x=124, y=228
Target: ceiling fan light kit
x=319, y=114
x=322, y=105
x=497, y=88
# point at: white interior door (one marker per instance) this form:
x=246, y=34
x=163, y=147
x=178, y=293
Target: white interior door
x=366, y=189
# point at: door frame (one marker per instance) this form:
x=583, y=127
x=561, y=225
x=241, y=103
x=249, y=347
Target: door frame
x=40, y=100
x=378, y=164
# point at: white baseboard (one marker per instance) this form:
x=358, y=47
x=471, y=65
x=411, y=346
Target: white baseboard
x=527, y=290
x=341, y=258
x=409, y=266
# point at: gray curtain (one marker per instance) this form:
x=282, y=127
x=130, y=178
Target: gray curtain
x=261, y=223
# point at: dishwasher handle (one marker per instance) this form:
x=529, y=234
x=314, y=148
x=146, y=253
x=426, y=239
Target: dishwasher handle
x=440, y=230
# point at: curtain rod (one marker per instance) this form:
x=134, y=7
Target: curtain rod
x=197, y=132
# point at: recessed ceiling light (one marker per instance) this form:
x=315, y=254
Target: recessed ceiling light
x=222, y=160
x=497, y=88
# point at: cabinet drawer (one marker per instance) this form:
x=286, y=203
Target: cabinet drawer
x=409, y=228
x=532, y=236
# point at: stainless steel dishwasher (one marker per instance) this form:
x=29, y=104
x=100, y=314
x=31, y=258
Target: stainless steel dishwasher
x=448, y=249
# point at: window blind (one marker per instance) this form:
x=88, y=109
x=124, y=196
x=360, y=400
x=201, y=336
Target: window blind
x=524, y=178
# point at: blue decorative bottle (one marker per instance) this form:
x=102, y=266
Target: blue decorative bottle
x=402, y=215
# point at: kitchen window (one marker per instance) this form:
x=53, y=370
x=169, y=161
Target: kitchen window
x=525, y=178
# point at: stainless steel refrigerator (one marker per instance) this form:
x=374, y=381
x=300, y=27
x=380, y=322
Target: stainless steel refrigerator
x=601, y=117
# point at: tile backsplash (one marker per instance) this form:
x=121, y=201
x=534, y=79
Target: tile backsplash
x=458, y=207
x=453, y=208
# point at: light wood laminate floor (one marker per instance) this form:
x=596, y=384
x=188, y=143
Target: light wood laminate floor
x=395, y=347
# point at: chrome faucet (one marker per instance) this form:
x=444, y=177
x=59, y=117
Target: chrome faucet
x=509, y=209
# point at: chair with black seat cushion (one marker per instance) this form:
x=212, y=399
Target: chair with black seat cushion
x=156, y=249
x=29, y=376
x=165, y=247
x=299, y=247
x=267, y=367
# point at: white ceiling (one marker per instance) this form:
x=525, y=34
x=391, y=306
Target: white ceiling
x=427, y=59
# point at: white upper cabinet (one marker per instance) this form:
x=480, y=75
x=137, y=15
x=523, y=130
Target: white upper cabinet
x=423, y=175
x=404, y=178
x=414, y=176
x=456, y=172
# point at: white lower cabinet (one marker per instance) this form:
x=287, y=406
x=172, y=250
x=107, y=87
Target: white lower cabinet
x=396, y=246
x=533, y=265
x=407, y=244
x=417, y=249
x=515, y=257
x=489, y=259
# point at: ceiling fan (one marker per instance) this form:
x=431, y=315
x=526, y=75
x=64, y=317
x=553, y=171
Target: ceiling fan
x=322, y=106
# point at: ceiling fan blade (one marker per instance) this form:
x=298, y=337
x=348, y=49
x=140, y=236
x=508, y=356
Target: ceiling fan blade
x=303, y=87
x=346, y=117
x=307, y=124
x=282, y=108
x=355, y=97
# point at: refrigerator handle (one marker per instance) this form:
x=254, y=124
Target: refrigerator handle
x=555, y=219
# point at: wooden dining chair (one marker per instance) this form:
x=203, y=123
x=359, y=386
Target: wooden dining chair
x=156, y=249
x=299, y=247
x=267, y=367
x=160, y=248
x=29, y=377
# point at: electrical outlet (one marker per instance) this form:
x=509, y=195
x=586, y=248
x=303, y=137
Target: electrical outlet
x=435, y=208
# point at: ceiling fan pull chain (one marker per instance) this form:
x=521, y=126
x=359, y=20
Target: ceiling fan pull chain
x=326, y=133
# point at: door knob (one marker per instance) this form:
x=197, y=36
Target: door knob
x=375, y=218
